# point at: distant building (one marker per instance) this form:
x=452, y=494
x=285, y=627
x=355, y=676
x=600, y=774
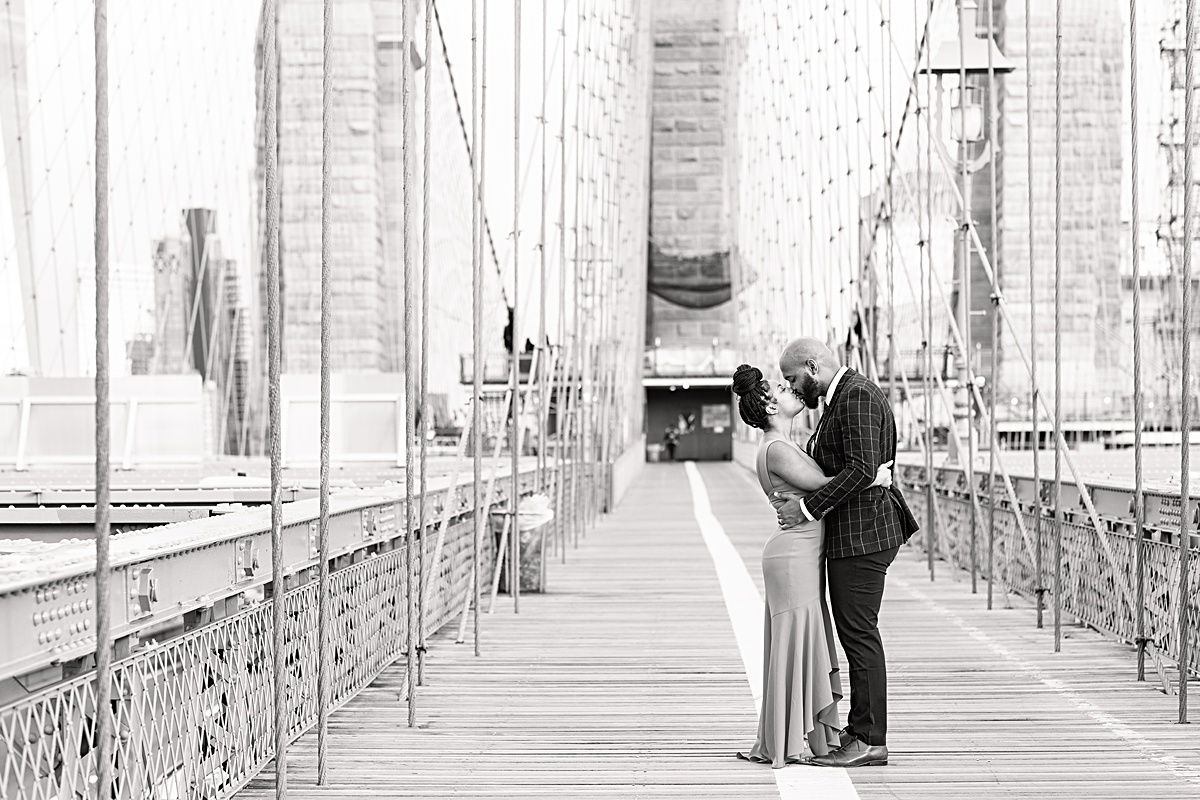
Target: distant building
x=140, y=353
x=172, y=302
x=201, y=325
x=691, y=330
x=367, y=225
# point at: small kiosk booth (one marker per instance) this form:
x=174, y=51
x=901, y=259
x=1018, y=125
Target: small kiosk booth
x=698, y=410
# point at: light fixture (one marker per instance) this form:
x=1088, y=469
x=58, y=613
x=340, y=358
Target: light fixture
x=971, y=54
x=966, y=115
x=966, y=54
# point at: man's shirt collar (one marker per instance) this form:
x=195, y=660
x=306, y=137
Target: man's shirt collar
x=833, y=384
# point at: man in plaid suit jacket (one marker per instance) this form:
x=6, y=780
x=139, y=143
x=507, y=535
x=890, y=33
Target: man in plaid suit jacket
x=864, y=528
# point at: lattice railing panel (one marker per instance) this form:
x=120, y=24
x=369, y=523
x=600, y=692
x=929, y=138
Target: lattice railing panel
x=1095, y=590
x=194, y=716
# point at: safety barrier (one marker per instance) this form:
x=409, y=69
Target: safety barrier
x=194, y=714
x=156, y=419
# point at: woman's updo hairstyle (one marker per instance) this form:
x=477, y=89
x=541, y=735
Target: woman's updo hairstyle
x=754, y=396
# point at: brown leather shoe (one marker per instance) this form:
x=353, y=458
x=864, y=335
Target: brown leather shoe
x=855, y=754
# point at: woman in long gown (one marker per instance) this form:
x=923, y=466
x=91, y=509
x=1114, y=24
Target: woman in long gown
x=801, y=682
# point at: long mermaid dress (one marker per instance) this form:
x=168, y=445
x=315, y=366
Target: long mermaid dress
x=801, y=681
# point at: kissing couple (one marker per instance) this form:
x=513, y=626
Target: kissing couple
x=841, y=523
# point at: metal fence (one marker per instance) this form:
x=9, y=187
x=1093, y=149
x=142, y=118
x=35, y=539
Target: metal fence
x=1098, y=568
x=194, y=716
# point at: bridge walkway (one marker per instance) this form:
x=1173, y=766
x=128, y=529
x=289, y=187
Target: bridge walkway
x=626, y=680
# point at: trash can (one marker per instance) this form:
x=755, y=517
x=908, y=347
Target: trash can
x=653, y=452
x=533, y=514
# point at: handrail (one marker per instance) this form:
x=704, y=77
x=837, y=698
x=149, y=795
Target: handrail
x=187, y=618
x=1094, y=593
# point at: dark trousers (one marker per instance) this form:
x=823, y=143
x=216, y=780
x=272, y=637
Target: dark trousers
x=855, y=593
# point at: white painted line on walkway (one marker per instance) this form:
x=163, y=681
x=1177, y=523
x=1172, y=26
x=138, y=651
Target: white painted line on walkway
x=1111, y=723
x=745, y=607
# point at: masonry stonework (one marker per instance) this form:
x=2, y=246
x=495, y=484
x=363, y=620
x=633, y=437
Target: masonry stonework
x=361, y=298
x=1094, y=355
x=688, y=300
x=368, y=199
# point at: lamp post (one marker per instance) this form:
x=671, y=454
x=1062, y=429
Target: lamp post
x=967, y=57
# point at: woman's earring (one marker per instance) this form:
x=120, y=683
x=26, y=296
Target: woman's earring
x=772, y=409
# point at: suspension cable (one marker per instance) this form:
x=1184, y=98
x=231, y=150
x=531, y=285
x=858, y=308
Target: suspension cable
x=964, y=286
x=423, y=430
x=486, y=224
x=995, y=294
x=1185, y=420
x=104, y=722
x=562, y=387
x=543, y=344
x=278, y=586
x=977, y=397
x=514, y=564
x=884, y=31
x=1139, y=513
x=476, y=328
x=931, y=540
x=323, y=650
x=411, y=389
x=1039, y=576
x=1060, y=441
x=577, y=373
x=1058, y=511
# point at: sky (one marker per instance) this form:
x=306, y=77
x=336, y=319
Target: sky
x=181, y=94
x=182, y=130
x=182, y=114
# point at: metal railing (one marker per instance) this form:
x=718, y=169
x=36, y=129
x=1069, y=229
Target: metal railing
x=1098, y=566
x=193, y=716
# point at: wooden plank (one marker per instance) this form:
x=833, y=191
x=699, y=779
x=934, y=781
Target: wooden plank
x=964, y=721
x=626, y=682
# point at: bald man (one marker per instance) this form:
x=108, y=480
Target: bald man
x=864, y=528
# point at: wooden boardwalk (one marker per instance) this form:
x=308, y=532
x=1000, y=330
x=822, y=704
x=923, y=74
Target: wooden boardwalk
x=626, y=680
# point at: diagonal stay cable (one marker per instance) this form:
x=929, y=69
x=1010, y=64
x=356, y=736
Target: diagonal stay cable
x=462, y=123
x=1001, y=305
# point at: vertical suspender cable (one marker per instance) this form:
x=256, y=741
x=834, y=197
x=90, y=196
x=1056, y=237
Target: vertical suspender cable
x=426, y=138
x=411, y=390
x=323, y=665
x=582, y=323
x=869, y=229
x=1185, y=419
x=1039, y=587
x=927, y=309
x=544, y=360
x=888, y=133
x=1139, y=517
x=964, y=295
x=476, y=329
x=104, y=720
x=1058, y=109
x=564, y=386
x=576, y=360
x=514, y=563
x=484, y=512
x=278, y=589
x=605, y=253
x=993, y=439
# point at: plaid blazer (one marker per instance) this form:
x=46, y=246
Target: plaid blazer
x=856, y=434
